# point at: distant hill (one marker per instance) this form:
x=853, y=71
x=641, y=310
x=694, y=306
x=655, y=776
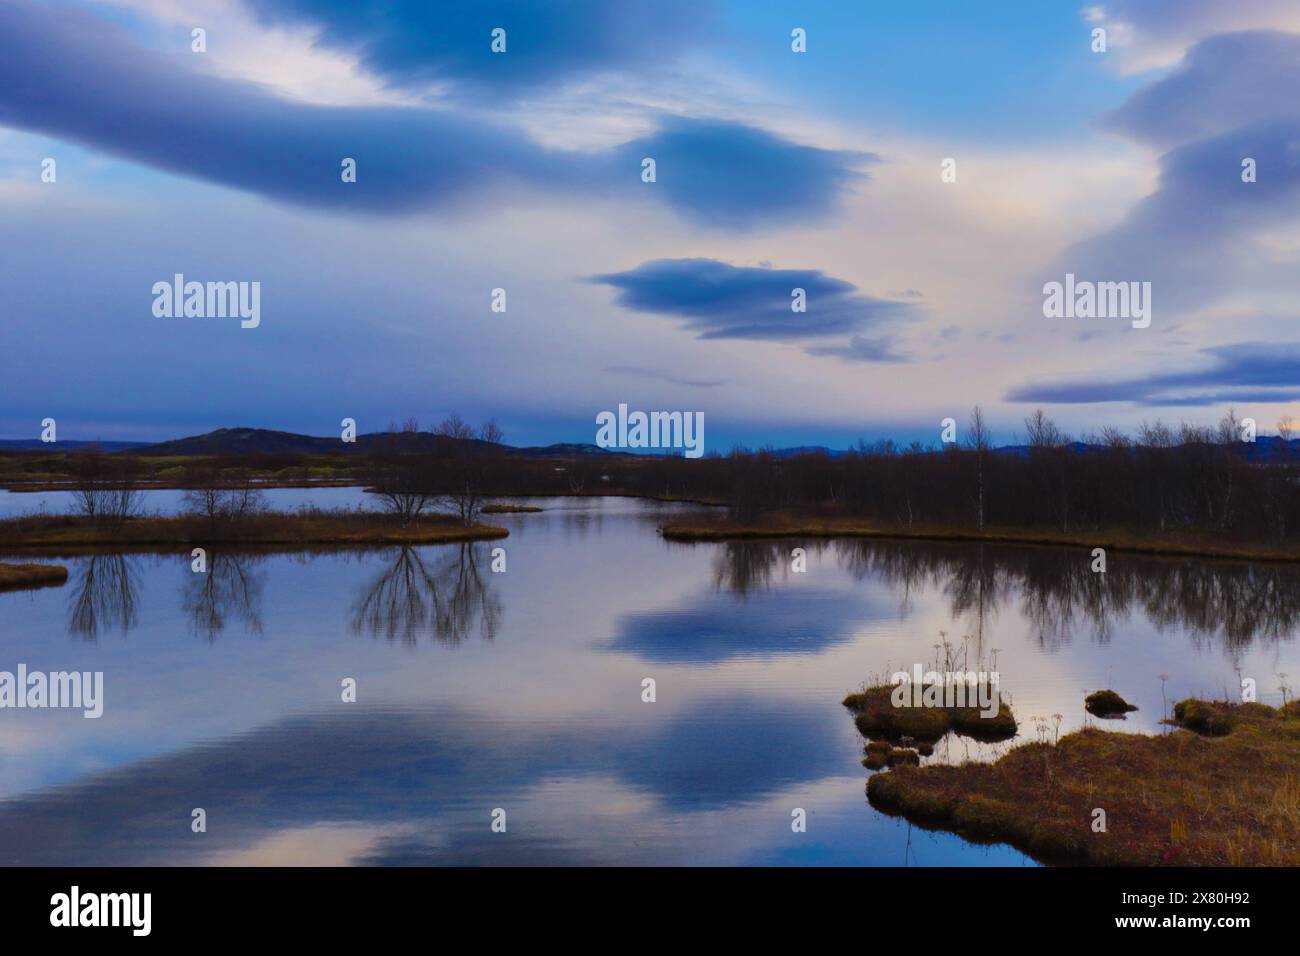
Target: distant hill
x=569, y=450
x=35, y=444
x=246, y=441
x=1265, y=449
x=266, y=441
x=808, y=450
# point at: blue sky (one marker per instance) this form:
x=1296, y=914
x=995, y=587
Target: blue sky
x=523, y=171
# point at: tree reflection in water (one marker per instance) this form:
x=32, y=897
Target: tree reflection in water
x=105, y=590
x=229, y=587
x=446, y=596
x=1232, y=603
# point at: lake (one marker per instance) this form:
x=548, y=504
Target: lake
x=522, y=690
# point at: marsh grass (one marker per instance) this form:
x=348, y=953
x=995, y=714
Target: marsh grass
x=1222, y=790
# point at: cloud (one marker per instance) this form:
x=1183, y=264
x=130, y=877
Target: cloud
x=1146, y=34
x=412, y=43
x=717, y=300
x=1195, y=237
x=1262, y=372
x=712, y=172
x=862, y=349
x=637, y=371
x=1225, y=82
x=162, y=112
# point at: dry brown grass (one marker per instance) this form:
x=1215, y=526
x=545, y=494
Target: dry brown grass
x=305, y=527
x=845, y=526
x=13, y=576
x=1181, y=798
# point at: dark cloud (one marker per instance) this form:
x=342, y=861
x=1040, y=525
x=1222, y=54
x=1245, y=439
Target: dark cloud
x=721, y=301
x=162, y=112
x=416, y=42
x=713, y=172
x=1257, y=371
x=1225, y=82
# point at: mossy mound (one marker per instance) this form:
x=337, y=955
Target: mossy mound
x=1107, y=704
x=877, y=718
x=882, y=754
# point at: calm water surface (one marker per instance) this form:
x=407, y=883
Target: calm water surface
x=522, y=690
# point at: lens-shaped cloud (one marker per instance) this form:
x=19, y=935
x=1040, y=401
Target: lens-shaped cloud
x=1241, y=372
x=717, y=300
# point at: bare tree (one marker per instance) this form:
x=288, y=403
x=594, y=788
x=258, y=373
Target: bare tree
x=226, y=498
x=105, y=490
x=402, y=490
x=979, y=441
x=453, y=426
x=466, y=498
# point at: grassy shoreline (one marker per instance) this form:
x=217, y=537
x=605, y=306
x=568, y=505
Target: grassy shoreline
x=64, y=533
x=790, y=526
x=23, y=576
x=1223, y=790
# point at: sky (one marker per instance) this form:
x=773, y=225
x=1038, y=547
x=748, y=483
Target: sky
x=825, y=170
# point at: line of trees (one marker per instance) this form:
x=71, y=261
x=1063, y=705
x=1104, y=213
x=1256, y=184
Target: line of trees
x=1164, y=479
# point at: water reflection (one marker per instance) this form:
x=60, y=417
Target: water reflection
x=753, y=659
x=1233, y=603
x=421, y=776
x=746, y=566
x=716, y=626
x=104, y=595
x=229, y=587
x=447, y=596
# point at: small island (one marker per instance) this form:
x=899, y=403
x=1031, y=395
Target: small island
x=877, y=717
x=70, y=533
x=16, y=576
x=1107, y=705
